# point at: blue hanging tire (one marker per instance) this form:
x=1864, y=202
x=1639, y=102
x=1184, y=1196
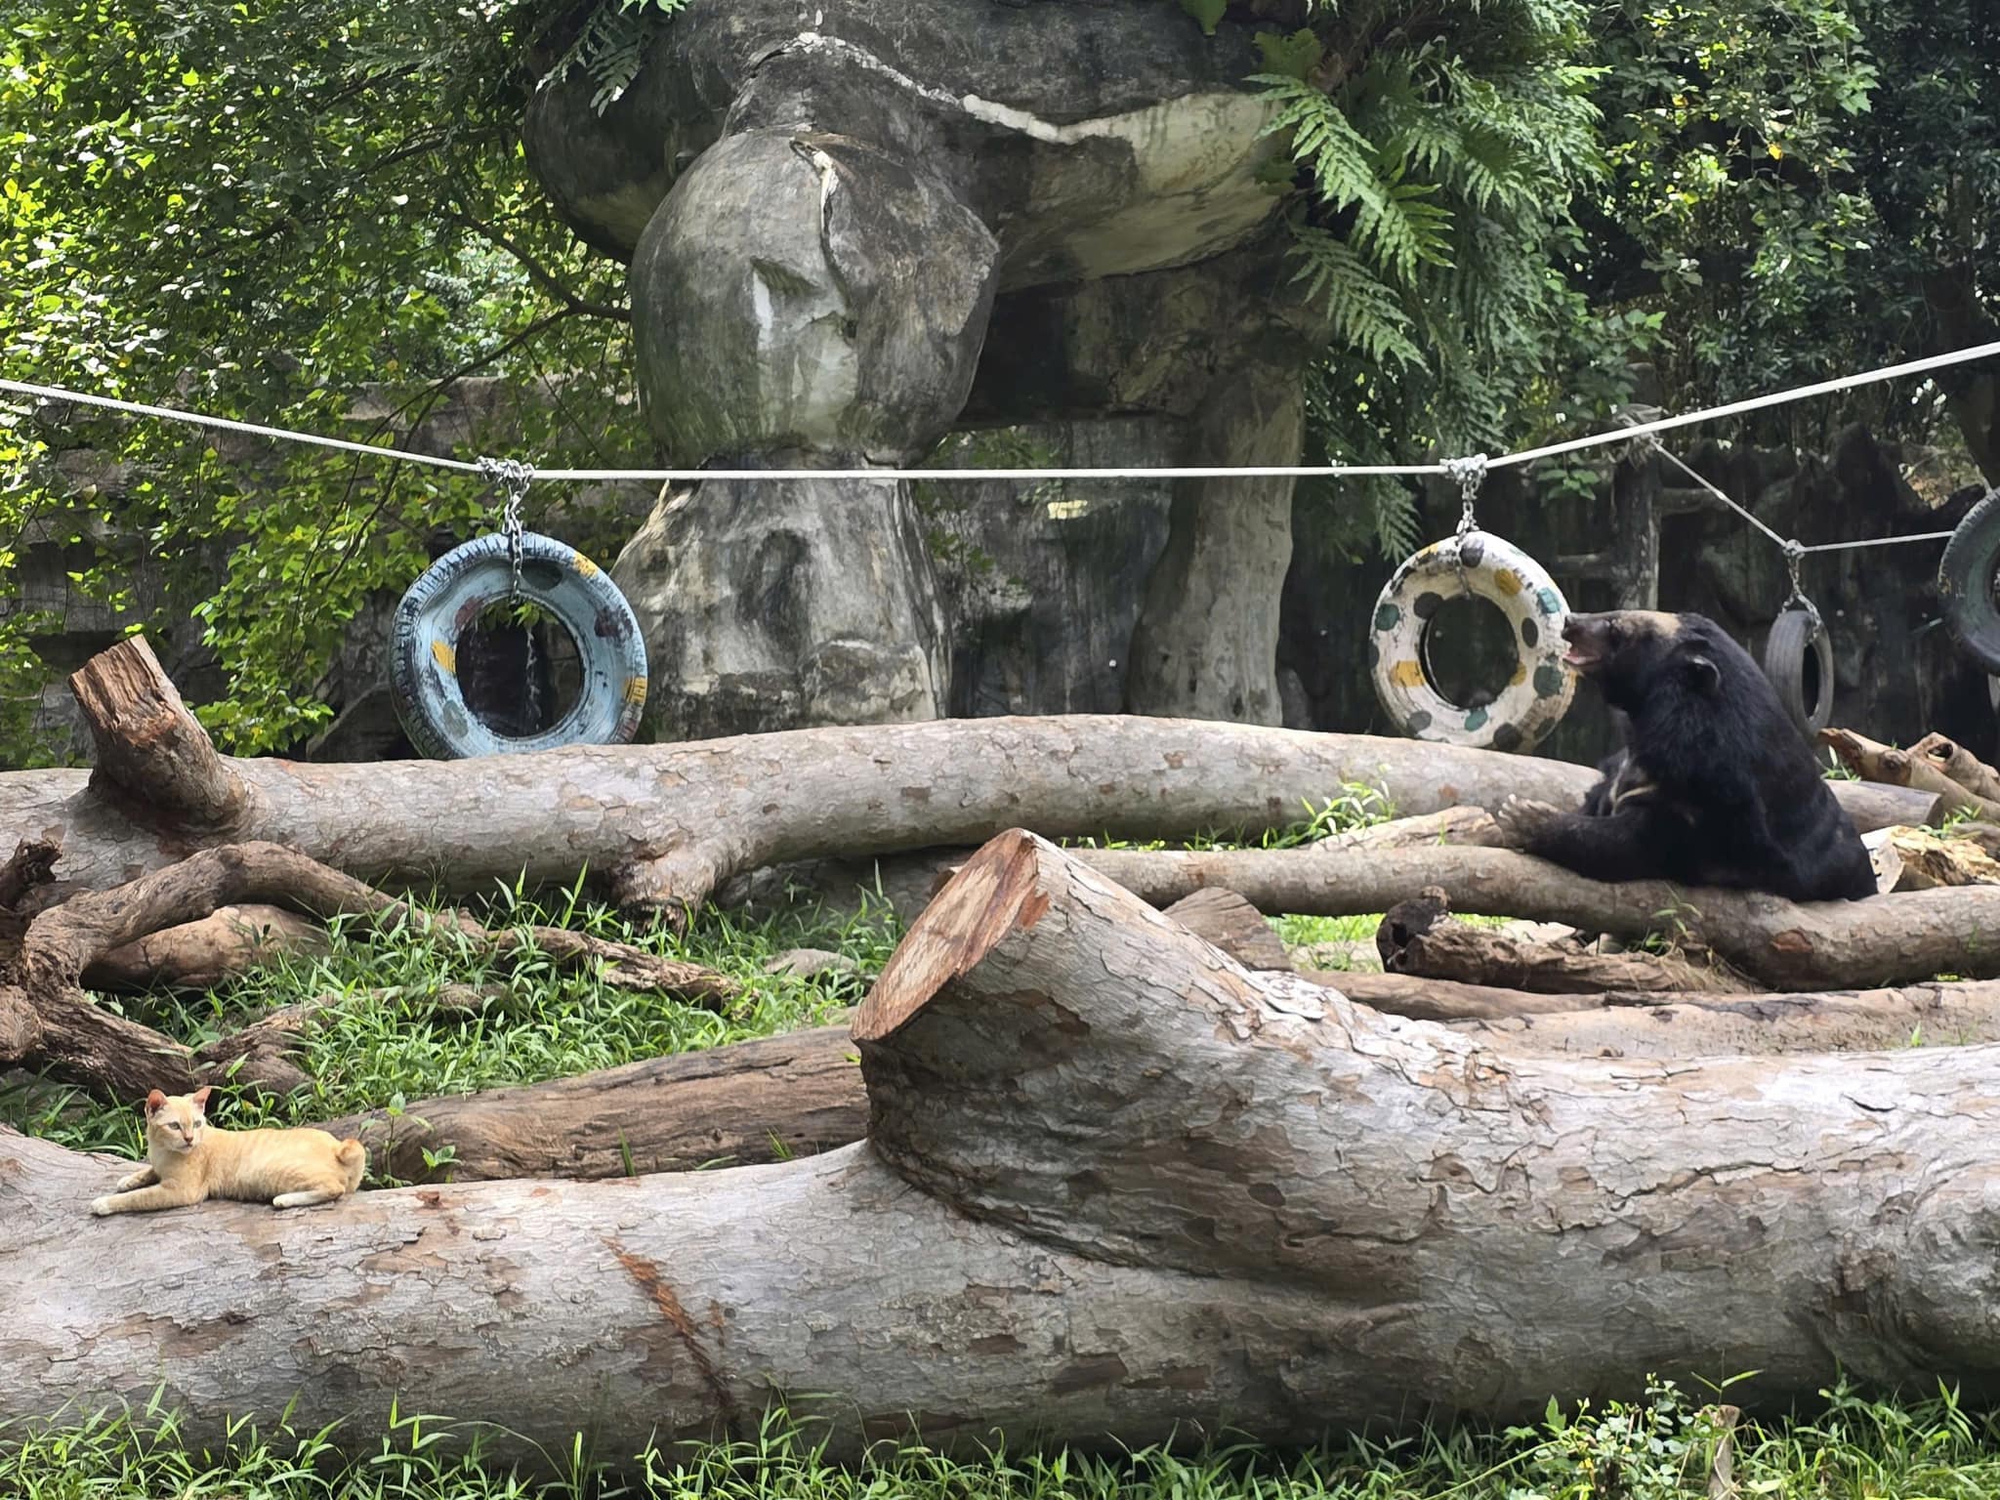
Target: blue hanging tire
x=1965, y=582
x=460, y=586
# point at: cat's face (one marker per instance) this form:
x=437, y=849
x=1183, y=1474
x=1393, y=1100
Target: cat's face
x=176, y=1122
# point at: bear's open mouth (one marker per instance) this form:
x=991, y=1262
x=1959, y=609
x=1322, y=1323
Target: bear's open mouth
x=1581, y=657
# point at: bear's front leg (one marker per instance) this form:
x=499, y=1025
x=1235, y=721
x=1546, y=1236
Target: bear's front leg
x=1621, y=846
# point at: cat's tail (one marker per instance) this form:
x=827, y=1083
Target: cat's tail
x=353, y=1159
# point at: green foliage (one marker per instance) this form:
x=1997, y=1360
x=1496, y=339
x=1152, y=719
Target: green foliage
x=382, y=1044
x=258, y=210
x=1432, y=206
x=1730, y=131
x=1801, y=187
x=1637, y=1450
x=1207, y=12
x=610, y=46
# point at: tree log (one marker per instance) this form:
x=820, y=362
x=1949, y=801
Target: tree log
x=1905, y=768
x=1904, y=938
x=1117, y=1188
x=47, y=1021
x=154, y=762
x=1749, y=1025
x=800, y=1094
x=1448, y=949
x=749, y=1102
x=1960, y=764
x=229, y=941
x=665, y=823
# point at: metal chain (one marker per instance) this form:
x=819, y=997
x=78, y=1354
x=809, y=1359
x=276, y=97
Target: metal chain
x=1795, y=553
x=1470, y=474
x=515, y=477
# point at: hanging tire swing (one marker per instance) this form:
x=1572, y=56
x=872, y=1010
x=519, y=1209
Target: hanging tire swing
x=1966, y=579
x=1471, y=564
x=1798, y=655
x=451, y=595
x=1799, y=648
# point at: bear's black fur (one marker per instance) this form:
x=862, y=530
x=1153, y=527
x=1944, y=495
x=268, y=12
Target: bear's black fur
x=1715, y=785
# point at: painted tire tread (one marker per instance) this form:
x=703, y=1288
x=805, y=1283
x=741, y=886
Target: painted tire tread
x=1490, y=568
x=1965, y=582
x=423, y=677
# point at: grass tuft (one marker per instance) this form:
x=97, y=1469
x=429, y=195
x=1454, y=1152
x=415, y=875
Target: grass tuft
x=1660, y=1448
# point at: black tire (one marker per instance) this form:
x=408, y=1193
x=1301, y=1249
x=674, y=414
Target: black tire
x=1796, y=638
x=452, y=592
x=1965, y=582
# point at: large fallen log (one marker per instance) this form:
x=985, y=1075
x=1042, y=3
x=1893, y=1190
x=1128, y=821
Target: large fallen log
x=800, y=1094
x=1417, y=937
x=664, y=824
x=1904, y=938
x=1915, y=769
x=1117, y=1187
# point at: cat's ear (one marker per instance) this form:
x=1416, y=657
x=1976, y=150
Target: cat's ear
x=155, y=1101
x=200, y=1096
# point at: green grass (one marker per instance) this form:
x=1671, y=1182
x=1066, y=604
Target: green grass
x=368, y=1052
x=1661, y=1448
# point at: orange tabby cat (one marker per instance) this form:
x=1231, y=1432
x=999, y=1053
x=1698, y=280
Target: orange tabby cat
x=187, y=1161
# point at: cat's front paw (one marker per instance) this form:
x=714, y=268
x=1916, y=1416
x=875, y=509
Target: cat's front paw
x=1522, y=820
x=102, y=1206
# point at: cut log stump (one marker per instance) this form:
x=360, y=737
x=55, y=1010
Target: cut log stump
x=1117, y=1189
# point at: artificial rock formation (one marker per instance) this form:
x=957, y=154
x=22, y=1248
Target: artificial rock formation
x=833, y=223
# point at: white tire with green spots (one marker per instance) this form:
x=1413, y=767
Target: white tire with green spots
x=1483, y=567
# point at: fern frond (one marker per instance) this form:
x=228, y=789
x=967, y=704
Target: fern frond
x=610, y=47
x=1401, y=229
x=1365, y=311
x=1341, y=158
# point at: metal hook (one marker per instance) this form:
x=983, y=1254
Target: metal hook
x=1641, y=443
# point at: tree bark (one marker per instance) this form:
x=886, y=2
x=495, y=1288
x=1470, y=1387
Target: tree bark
x=908, y=882
x=1903, y=938
x=153, y=760
x=1117, y=1189
x=1886, y=765
x=793, y=1095
x=666, y=823
x=1206, y=642
x=199, y=955
x=1960, y=764
x=1457, y=951
x=1755, y=1025
x=801, y=1094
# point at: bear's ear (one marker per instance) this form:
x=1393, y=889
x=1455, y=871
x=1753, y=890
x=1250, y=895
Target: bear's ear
x=1704, y=674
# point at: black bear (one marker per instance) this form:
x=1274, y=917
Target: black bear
x=1715, y=785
